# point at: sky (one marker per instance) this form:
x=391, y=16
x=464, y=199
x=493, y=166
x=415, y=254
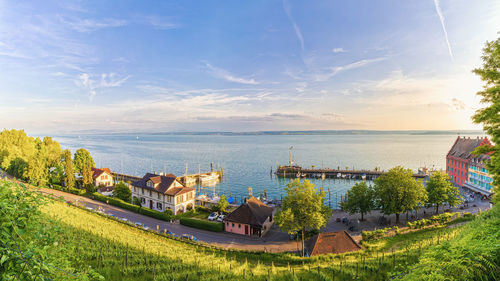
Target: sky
x=163, y=66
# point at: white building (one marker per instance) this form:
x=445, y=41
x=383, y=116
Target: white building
x=162, y=192
x=102, y=177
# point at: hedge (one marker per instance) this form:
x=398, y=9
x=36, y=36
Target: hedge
x=201, y=224
x=131, y=207
x=71, y=190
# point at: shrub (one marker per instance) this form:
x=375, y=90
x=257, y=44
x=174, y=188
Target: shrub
x=153, y=213
x=467, y=214
x=169, y=212
x=201, y=224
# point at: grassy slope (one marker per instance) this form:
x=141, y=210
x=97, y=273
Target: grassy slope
x=84, y=243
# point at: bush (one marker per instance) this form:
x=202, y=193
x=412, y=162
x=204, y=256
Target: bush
x=152, y=213
x=467, y=214
x=169, y=212
x=201, y=224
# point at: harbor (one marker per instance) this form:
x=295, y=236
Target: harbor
x=295, y=171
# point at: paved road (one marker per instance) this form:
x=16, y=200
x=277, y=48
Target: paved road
x=273, y=241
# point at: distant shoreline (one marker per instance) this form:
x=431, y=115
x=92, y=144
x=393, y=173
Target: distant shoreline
x=292, y=133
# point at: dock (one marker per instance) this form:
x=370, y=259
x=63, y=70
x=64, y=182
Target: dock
x=295, y=171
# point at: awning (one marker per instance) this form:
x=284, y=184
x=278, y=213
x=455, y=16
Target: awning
x=476, y=188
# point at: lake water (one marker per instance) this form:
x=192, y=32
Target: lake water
x=247, y=160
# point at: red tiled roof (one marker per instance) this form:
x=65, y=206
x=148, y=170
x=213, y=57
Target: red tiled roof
x=162, y=183
x=253, y=212
x=463, y=147
x=97, y=172
x=332, y=243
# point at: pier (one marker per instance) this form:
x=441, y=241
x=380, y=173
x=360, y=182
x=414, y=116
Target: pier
x=295, y=171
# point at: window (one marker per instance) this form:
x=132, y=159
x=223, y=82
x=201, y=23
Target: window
x=239, y=225
x=143, y=201
x=158, y=206
x=142, y=191
x=150, y=184
x=158, y=195
x=233, y=224
x=150, y=193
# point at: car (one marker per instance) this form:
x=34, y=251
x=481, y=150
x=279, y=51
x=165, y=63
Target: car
x=213, y=216
x=124, y=219
x=190, y=237
x=221, y=218
x=138, y=224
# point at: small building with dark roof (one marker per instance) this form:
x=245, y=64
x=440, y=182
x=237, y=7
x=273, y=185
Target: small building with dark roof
x=162, y=192
x=460, y=156
x=251, y=218
x=331, y=243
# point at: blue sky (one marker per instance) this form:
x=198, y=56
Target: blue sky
x=241, y=65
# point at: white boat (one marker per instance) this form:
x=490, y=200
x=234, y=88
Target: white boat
x=213, y=177
x=339, y=175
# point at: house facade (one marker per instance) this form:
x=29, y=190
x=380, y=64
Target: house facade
x=251, y=218
x=102, y=177
x=162, y=192
x=460, y=156
x=480, y=180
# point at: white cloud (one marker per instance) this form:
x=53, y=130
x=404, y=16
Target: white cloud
x=441, y=18
x=332, y=71
x=286, y=7
x=90, y=25
x=86, y=81
x=339, y=50
x=161, y=23
x=224, y=74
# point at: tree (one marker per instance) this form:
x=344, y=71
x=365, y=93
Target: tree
x=302, y=208
x=137, y=202
x=53, y=151
x=122, y=192
x=489, y=115
x=359, y=199
x=87, y=174
x=69, y=173
x=440, y=191
x=397, y=192
x=18, y=167
x=82, y=159
x=222, y=205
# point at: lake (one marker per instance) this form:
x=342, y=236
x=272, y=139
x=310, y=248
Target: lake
x=247, y=160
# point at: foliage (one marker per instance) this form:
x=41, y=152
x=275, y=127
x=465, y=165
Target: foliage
x=440, y=191
x=489, y=116
x=302, y=208
x=473, y=255
x=15, y=144
x=69, y=173
x=359, y=199
x=83, y=159
x=56, y=174
x=202, y=224
x=222, y=205
x=397, y=192
x=121, y=191
x=87, y=180
x=137, y=202
x=18, y=167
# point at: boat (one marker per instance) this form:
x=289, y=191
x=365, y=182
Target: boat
x=339, y=175
x=212, y=177
x=363, y=176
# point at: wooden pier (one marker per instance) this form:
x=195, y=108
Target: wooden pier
x=299, y=172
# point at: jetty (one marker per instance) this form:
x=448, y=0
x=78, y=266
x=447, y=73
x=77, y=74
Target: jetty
x=294, y=171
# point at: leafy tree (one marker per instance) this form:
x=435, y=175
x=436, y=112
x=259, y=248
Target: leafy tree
x=397, y=192
x=440, y=191
x=359, y=199
x=222, y=205
x=82, y=159
x=87, y=174
x=69, y=173
x=37, y=172
x=302, y=208
x=56, y=174
x=122, y=192
x=53, y=151
x=489, y=116
x=18, y=167
x=15, y=144
x=137, y=202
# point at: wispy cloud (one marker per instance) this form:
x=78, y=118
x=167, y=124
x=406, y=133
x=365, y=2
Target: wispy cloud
x=441, y=18
x=286, y=7
x=339, y=50
x=87, y=81
x=90, y=25
x=224, y=74
x=160, y=22
x=332, y=71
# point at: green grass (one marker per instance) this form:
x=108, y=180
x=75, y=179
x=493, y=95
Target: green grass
x=92, y=246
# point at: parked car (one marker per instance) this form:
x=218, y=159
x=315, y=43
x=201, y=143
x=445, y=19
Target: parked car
x=213, y=216
x=190, y=237
x=221, y=218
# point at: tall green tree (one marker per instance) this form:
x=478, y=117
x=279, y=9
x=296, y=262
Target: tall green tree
x=302, y=208
x=397, y=192
x=122, y=191
x=360, y=199
x=440, y=191
x=69, y=172
x=83, y=159
x=87, y=181
x=489, y=115
x=53, y=151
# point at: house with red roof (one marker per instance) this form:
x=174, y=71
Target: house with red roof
x=331, y=243
x=460, y=156
x=102, y=177
x=162, y=192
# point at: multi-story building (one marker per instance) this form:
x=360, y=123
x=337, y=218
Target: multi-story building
x=162, y=192
x=102, y=177
x=479, y=178
x=460, y=156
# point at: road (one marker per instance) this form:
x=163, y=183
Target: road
x=273, y=241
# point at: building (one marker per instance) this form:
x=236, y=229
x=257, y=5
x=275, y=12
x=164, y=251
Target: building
x=331, y=243
x=162, y=192
x=479, y=178
x=460, y=156
x=102, y=177
x=251, y=218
